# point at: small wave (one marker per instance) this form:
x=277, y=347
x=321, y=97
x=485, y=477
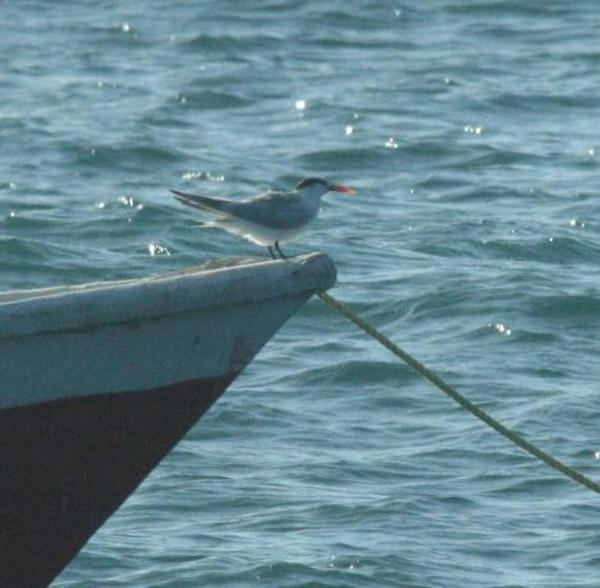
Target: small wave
x=390, y=44
x=123, y=156
x=486, y=193
x=533, y=485
x=124, y=35
x=358, y=21
x=343, y=159
x=553, y=250
x=160, y=118
x=210, y=100
x=428, y=149
x=13, y=123
x=230, y=43
x=444, y=182
x=123, y=28
x=518, y=335
x=565, y=306
x=542, y=102
x=490, y=157
x=507, y=8
x=367, y=373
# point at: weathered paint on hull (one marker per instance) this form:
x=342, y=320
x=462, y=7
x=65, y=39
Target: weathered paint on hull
x=76, y=460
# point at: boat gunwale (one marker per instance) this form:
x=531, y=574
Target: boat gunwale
x=128, y=301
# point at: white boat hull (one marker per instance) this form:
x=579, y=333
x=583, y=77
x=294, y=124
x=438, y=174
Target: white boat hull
x=100, y=382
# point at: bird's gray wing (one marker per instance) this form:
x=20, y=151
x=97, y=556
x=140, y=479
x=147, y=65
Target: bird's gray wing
x=214, y=205
x=278, y=210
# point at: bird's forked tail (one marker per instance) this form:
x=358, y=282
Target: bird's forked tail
x=214, y=205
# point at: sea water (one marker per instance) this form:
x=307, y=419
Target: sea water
x=470, y=130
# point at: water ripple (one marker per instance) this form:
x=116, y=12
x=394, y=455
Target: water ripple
x=473, y=241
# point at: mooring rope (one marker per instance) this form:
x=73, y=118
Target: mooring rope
x=456, y=396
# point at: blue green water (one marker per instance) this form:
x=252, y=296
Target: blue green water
x=470, y=129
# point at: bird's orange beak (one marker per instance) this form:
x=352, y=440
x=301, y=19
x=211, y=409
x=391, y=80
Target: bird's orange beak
x=340, y=188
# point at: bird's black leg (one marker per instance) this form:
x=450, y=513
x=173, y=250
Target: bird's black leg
x=283, y=255
x=271, y=252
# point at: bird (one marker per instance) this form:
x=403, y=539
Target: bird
x=270, y=218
